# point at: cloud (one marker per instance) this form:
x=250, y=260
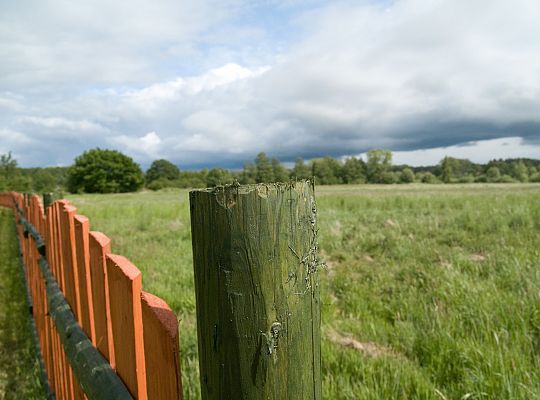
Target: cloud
x=383, y=72
x=221, y=81
x=16, y=142
x=146, y=146
x=10, y=102
x=60, y=44
x=156, y=93
x=480, y=151
x=63, y=123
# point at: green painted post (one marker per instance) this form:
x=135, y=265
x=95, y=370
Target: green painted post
x=257, y=289
x=48, y=199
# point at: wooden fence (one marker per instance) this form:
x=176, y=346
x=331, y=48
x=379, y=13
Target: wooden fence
x=100, y=335
x=256, y=286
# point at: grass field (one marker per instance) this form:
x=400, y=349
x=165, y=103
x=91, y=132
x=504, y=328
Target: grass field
x=430, y=292
x=19, y=368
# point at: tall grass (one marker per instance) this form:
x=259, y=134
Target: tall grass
x=19, y=367
x=430, y=292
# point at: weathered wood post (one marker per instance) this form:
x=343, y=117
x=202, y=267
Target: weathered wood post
x=48, y=199
x=257, y=290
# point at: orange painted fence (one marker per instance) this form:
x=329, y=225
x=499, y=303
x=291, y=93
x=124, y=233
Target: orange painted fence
x=135, y=331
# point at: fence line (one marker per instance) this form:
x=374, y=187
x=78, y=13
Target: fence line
x=99, y=334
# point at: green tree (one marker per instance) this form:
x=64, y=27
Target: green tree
x=378, y=165
x=327, y=171
x=520, y=171
x=301, y=170
x=248, y=174
x=353, y=170
x=493, y=174
x=446, y=170
x=406, y=175
x=279, y=172
x=535, y=177
x=44, y=181
x=217, y=177
x=265, y=173
x=427, y=177
x=10, y=175
x=162, y=169
x=451, y=169
x=467, y=178
x=104, y=171
x=8, y=166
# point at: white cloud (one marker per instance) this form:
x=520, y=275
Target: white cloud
x=16, y=142
x=215, y=132
x=445, y=60
x=10, y=103
x=14, y=138
x=480, y=151
x=155, y=94
x=404, y=75
x=146, y=147
x=48, y=42
x=64, y=123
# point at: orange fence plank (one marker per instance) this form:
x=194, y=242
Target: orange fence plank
x=57, y=241
x=66, y=213
x=65, y=391
x=82, y=232
x=126, y=316
x=100, y=246
x=71, y=276
x=161, y=350
x=53, y=359
x=136, y=331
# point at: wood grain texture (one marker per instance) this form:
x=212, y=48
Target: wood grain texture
x=65, y=382
x=125, y=284
x=161, y=350
x=100, y=246
x=257, y=291
x=54, y=378
x=82, y=232
x=71, y=276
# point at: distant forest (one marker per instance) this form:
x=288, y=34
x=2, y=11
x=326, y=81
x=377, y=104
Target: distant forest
x=376, y=168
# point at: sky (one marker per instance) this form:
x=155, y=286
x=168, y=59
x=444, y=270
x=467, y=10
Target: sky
x=207, y=83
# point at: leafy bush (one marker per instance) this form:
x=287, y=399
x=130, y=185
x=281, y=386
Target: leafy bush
x=217, y=177
x=104, y=171
x=468, y=178
x=162, y=169
x=406, y=176
x=159, y=184
x=535, y=177
x=428, y=177
x=506, y=179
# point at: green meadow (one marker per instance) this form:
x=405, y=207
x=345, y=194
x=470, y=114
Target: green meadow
x=19, y=366
x=429, y=291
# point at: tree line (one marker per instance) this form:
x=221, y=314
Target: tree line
x=110, y=171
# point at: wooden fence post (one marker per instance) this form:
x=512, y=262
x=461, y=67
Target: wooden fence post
x=125, y=283
x=48, y=199
x=257, y=291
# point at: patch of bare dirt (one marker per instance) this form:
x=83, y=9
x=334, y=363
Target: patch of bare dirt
x=390, y=223
x=477, y=257
x=369, y=349
x=367, y=258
